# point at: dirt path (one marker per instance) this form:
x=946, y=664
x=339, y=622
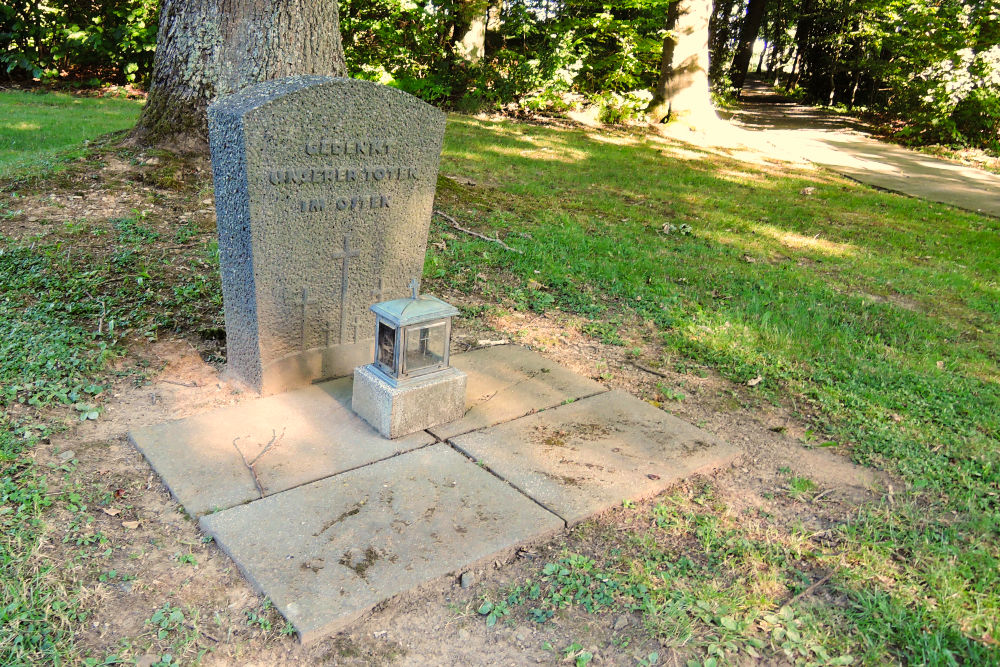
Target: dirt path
x=843, y=144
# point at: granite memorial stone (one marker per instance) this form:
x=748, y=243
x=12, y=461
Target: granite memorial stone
x=324, y=189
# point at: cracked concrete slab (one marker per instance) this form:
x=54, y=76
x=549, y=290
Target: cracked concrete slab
x=328, y=551
x=581, y=459
x=508, y=381
x=308, y=434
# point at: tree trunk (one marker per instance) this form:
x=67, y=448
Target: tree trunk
x=682, y=88
x=216, y=47
x=470, y=30
x=744, y=49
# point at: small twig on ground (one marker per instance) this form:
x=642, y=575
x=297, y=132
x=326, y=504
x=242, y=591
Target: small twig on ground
x=454, y=223
x=275, y=438
x=649, y=370
x=809, y=590
x=816, y=499
x=179, y=384
x=825, y=531
x=100, y=320
x=201, y=633
x=256, y=481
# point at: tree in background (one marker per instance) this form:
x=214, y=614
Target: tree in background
x=212, y=48
x=749, y=30
x=930, y=68
x=682, y=88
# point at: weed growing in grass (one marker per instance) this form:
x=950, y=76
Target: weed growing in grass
x=493, y=611
x=799, y=487
x=133, y=233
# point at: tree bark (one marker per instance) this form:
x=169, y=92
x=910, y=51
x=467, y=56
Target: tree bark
x=470, y=30
x=744, y=49
x=682, y=88
x=209, y=48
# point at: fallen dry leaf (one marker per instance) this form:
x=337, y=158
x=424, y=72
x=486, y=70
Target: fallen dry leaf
x=131, y=525
x=754, y=382
x=111, y=512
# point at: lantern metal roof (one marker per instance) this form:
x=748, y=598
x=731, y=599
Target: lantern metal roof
x=414, y=310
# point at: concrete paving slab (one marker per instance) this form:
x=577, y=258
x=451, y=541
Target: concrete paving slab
x=508, y=381
x=580, y=459
x=290, y=439
x=326, y=552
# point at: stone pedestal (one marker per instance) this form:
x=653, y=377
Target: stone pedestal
x=395, y=411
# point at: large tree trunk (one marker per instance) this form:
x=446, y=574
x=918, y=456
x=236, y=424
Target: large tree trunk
x=682, y=89
x=209, y=48
x=744, y=49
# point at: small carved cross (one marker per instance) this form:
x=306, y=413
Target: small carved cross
x=415, y=287
x=305, y=306
x=377, y=291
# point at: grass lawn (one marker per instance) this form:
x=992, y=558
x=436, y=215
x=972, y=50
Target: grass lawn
x=873, y=318
x=37, y=128
x=878, y=315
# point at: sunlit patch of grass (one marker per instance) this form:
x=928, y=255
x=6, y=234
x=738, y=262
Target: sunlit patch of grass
x=39, y=130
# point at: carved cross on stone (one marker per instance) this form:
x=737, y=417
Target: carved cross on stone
x=377, y=291
x=345, y=256
x=415, y=287
x=305, y=315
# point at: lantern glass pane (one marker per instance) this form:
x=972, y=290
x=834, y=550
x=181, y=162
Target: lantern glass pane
x=425, y=346
x=385, y=351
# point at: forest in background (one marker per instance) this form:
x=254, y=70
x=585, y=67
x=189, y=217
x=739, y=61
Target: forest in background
x=929, y=68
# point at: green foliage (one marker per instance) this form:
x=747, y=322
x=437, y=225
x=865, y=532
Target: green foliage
x=618, y=109
x=107, y=41
x=932, y=67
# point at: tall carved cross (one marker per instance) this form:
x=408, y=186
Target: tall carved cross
x=345, y=256
x=415, y=287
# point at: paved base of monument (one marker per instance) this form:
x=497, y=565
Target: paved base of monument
x=328, y=519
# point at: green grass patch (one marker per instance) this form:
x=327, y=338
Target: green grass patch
x=877, y=314
x=40, y=130
x=37, y=614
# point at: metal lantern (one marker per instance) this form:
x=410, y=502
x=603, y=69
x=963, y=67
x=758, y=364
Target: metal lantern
x=412, y=336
